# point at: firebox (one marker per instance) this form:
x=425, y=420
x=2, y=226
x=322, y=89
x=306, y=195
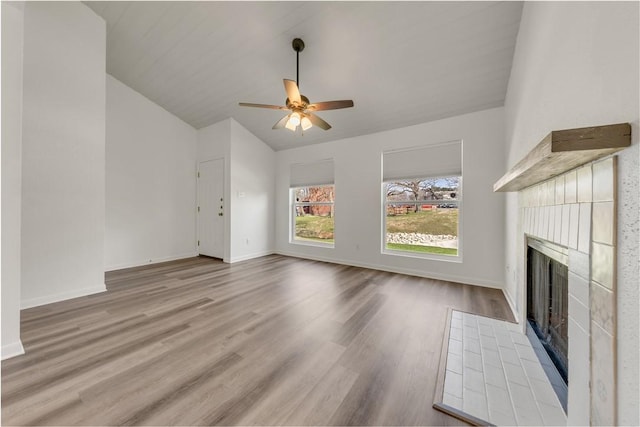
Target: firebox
x=547, y=303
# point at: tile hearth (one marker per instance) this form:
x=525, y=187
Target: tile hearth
x=493, y=374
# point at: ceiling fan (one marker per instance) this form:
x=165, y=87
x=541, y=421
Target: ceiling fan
x=302, y=111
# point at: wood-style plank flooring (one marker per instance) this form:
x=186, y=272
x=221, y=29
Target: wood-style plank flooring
x=270, y=341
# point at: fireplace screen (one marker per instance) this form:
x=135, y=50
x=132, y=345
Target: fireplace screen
x=547, y=305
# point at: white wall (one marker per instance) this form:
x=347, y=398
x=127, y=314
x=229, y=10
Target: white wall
x=249, y=188
x=252, y=191
x=576, y=65
x=150, y=181
x=12, y=32
x=358, y=204
x=63, y=168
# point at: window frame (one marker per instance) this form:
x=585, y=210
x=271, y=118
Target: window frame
x=422, y=255
x=293, y=215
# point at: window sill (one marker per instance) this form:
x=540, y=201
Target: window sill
x=423, y=256
x=312, y=243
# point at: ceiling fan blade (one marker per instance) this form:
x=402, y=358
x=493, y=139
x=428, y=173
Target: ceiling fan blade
x=317, y=121
x=330, y=105
x=273, y=107
x=293, y=93
x=280, y=124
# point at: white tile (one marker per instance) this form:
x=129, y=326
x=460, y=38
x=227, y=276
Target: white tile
x=525, y=352
x=451, y=400
x=570, y=187
x=521, y=395
x=584, y=184
x=603, y=223
x=552, y=415
x=546, y=234
x=580, y=264
x=559, y=190
x=566, y=218
x=490, y=357
x=472, y=380
x=455, y=314
x=483, y=320
x=455, y=334
x=512, y=326
x=498, y=399
x=504, y=340
x=470, y=332
x=519, y=338
x=455, y=347
x=603, y=264
x=604, y=180
x=574, y=218
x=584, y=228
x=456, y=323
x=488, y=343
x=475, y=403
x=485, y=329
x=500, y=418
x=469, y=319
x=453, y=384
x=494, y=375
x=524, y=406
x=579, y=288
x=578, y=351
x=544, y=393
x=472, y=360
x=579, y=313
x=515, y=375
x=509, y=356
x=557, y=226
x=454, y=363
x=471, y=345
x=532, y=369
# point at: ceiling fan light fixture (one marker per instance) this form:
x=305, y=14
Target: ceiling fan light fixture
x=305, y=123
x=289, y=125
x=294, y=118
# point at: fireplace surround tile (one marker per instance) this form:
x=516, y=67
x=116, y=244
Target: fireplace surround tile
x=602, y=307
x=603, y=220
x=570, y=187
x=577, y=210
x=559, y=190
x=584, y=228
x=602, y=377
x=584, y=184
x=603, y=181
x=602, y=264
x=574, y=217
x=579, y=288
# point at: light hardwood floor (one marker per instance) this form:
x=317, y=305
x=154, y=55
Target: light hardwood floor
x=270, y=341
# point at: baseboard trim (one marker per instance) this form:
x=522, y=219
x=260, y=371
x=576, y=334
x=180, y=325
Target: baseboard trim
x=140, y=263
x=512, y=306
x=407, y=271
x=48, y=299
x=12, y=350
x=249, y=256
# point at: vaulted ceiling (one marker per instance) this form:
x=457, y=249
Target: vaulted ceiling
x=402, y=63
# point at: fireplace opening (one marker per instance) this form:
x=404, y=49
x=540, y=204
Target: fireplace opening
x=547, y=310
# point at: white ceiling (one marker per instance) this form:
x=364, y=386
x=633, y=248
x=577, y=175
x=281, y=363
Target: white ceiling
x=402, y=63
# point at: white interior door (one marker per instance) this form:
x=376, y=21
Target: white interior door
x=211, y=208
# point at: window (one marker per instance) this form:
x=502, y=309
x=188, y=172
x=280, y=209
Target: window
x=422, y=199
x=314, y=213
x=312, y=194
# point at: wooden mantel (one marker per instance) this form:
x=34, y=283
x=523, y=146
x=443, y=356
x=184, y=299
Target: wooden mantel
x=563, y=150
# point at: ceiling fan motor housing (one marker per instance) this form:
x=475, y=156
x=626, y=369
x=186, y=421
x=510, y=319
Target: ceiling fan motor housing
x=298, y=45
